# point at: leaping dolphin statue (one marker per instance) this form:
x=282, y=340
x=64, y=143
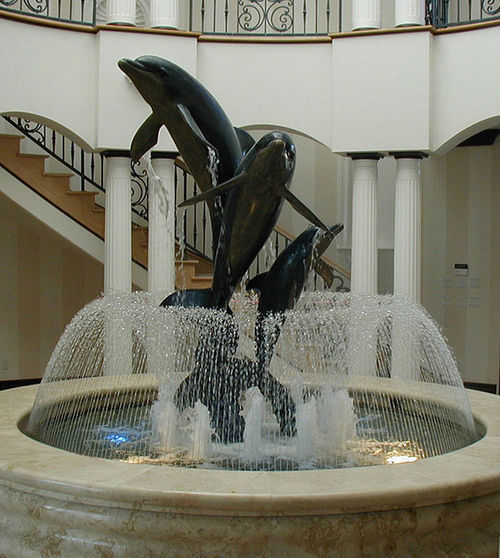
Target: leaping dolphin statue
x=194, y=119
x=254, y=197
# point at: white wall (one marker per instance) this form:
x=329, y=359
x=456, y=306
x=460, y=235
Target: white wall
x=461, y=224
x=398, y=91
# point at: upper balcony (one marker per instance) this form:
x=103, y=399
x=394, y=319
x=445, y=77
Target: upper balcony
x=262, y=17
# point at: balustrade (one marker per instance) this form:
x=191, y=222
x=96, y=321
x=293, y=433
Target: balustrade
x=263, y=17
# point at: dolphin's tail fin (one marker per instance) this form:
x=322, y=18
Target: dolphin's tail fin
x=217, y=191
x=188, y=298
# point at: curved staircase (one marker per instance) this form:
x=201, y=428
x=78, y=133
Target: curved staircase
x=54, y=187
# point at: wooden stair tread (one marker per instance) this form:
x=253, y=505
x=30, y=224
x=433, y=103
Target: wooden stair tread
x=32, y=156
x=58, y=174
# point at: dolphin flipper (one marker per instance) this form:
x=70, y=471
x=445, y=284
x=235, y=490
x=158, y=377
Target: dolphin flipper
x=189, y=298
x=256, y=282
x=146, y=137
x=191, y=122
x=237, y=180
x=303, y=210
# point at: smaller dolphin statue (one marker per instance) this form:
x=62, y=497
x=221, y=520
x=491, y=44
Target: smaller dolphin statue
x=280, y=287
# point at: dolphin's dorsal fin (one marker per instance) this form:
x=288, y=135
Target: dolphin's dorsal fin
x=245, y=139
x=302, y=209
x=146, y=137
x=191, y=122
x=237, y=180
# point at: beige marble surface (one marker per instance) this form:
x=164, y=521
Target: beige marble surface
x=54, y=503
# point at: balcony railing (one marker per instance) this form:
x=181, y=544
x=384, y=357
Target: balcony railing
x=449, y=13
x=257, y=17
x=266, y=17
x=69, y=11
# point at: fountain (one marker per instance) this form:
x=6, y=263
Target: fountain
x=257, y=421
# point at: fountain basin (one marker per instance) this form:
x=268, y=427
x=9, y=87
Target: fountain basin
x=53, y=502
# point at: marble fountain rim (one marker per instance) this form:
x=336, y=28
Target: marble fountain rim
x=35, y=468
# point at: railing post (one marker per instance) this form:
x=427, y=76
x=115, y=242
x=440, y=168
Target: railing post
x=409, y=12
x=164, y=14
x=120, y=12
x=161, y=233
x=366, y=14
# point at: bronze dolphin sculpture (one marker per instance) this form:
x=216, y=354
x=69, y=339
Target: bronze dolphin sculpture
x=194, y=119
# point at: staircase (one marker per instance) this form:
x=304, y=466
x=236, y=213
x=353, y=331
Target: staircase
x=54, y=187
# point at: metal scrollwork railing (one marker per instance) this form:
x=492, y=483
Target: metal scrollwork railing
x=274, y=15
x=72, y=11
x=490, y=7
x=88, y=166
x=140, y=188
x=266, y=17
x=448, y=13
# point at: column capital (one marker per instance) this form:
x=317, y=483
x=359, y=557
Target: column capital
x=164, y=154
x=370, y=156
x=409, y=154
x=116, y=153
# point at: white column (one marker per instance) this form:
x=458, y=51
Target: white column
x=407, y=228
x=118, y=231
x=366, y=14
x=364, y=224
x=164, y=13
x=120, y=12
x=407, y=266
x=117, y=263
x=363, y=336
x=409, y=12
x=161, y=238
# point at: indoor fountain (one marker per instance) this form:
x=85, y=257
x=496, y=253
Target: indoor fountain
x=254, y=418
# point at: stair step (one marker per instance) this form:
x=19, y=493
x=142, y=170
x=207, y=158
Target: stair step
x=33, y=156
x=58, y=174
x=11, y=136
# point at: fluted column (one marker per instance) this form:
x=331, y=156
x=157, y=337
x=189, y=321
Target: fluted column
x=117, y=263
x=120, y=12
x=118, y=232
x=161, y=243
x=407, y=227
x=364, y=223
x=409, y=12
x=363, y=336
x=366, y=14
x=407, y=265
x=164, y=13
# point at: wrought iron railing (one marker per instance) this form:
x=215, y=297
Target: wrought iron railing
x=265, y=17
x=449, y=13
x=72, y=11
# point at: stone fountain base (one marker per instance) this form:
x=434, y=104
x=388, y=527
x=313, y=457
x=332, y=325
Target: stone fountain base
x=55, y=503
